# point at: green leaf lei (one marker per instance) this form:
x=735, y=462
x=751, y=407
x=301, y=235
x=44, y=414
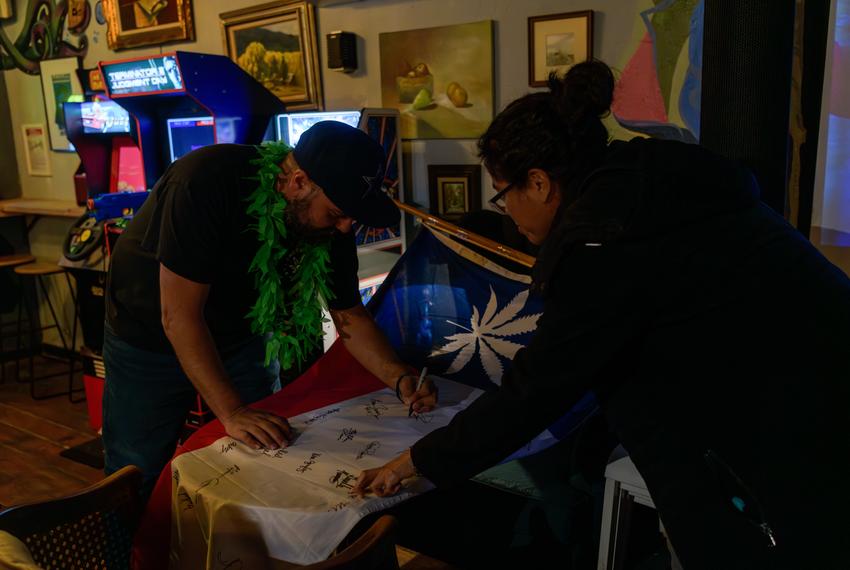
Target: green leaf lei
x=290, y=316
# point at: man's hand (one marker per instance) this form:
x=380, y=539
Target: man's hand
x=386, y=480
x=368, y=344
x=422, y=400
x=258, y=429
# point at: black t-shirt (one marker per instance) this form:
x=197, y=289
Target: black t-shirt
x=195, y=223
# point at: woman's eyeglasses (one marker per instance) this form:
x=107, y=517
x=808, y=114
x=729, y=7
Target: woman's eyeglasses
x=498, y=201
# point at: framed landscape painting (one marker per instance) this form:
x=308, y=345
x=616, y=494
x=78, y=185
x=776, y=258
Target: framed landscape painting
x=276, y=44
x=556, y=43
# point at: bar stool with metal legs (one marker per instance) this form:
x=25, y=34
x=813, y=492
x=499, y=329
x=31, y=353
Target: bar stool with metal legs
x=39, y=271
x=9, y=262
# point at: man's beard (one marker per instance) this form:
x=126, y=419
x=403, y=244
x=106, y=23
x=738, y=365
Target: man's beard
x=295, y=213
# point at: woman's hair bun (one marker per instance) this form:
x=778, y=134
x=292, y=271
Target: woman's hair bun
x=587, y=88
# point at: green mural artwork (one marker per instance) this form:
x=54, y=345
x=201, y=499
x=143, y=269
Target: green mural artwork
x=43, y=34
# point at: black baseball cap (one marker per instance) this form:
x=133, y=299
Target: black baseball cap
x=349, y=166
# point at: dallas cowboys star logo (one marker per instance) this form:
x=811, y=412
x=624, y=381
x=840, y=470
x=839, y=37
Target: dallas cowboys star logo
x=374, y=183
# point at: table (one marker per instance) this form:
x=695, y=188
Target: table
x=334, y=378
x=41, y=207
x=37, y=207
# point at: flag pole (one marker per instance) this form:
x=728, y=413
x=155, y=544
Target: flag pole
x=486, y=243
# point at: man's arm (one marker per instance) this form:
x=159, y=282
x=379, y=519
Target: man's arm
x=368, y=344
x=182, y=303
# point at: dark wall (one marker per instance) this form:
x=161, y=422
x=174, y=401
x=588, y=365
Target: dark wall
x=10, y=183
x=746, y=88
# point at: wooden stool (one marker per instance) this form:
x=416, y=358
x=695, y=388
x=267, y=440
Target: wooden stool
x=39, y=270
x=8, y=262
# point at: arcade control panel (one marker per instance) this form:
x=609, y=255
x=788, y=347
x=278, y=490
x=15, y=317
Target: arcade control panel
x=87, y=233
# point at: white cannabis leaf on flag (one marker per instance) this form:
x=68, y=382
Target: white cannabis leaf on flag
x=486, y=337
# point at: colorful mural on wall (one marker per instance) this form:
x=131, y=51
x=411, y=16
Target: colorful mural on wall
x=658, y=92
x=51, y=29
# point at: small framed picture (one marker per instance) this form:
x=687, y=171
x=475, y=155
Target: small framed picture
x=59, y=82
x=455, y=189
x=35, y=149
x=557, y=42
x=134, y=23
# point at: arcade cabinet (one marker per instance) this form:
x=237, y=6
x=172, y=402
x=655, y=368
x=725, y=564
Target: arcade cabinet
x=182, y=101
x=109, y=181
x=155, y=109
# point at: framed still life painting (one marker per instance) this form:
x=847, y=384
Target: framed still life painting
x=440, y=79
x=276, y=44
x=134, y=23
x=557, y=42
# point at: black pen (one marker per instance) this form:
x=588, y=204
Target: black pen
x=418, y=385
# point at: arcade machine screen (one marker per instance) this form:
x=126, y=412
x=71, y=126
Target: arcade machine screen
x=100, y=117
x=290, y=127
x=109, y=118
x=187, y=134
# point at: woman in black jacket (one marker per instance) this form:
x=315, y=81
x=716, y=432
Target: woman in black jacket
x=714, y=335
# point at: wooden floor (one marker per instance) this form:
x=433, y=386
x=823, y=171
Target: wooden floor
x=33, y=433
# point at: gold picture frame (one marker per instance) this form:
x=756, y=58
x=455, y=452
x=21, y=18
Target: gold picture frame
x=454, y=190
x=275, y=43
x=556, y=42
x=7, y=9
x=135, y=23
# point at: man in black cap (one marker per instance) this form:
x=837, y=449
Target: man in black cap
x=202, y=258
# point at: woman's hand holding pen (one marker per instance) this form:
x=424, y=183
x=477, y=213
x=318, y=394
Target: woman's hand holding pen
x=386, y=480
x=418, y=392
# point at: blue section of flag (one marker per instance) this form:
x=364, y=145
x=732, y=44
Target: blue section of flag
x=462, y=320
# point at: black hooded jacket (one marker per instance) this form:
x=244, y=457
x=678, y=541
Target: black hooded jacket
x=716, y=339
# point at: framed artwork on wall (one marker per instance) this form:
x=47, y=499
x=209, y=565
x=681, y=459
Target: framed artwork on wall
x=59, y=83
x=276, y=44
x=455, y=189
x=134, y=23
x=440, y=79
x=557, y=42
x=35, y=149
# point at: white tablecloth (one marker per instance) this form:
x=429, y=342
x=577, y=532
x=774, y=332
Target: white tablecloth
x=234, y=507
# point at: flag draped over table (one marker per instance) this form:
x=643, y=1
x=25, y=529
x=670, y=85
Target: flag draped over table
x=447, y=307
x=443, y=306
